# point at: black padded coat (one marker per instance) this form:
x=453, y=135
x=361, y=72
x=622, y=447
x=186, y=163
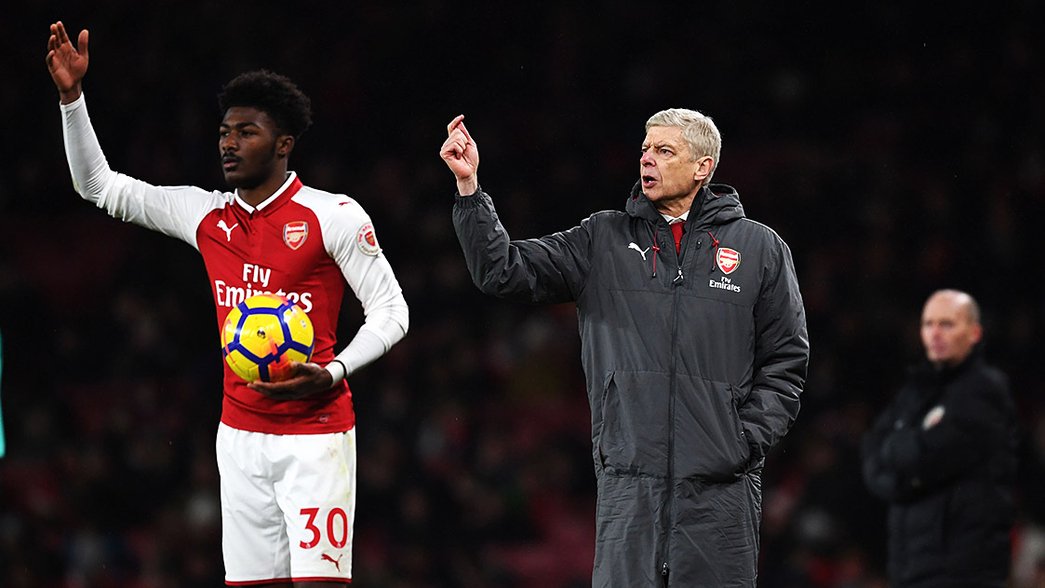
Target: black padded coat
x=694, y=364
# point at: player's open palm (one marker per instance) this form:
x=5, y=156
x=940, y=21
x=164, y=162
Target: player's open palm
x=67, y=63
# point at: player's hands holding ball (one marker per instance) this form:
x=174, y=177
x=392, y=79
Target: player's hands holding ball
x=297, y=380
x=461, y=155
x=268, y=340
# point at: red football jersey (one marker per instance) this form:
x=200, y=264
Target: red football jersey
x=279, y=247
x=301, y=242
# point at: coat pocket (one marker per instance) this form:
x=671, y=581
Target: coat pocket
x=709, y=438
x=633, y=438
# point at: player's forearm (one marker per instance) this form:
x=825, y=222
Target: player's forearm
x=90, y=171
x=384, y=327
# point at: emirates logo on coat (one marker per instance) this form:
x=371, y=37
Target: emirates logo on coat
x=728, y=260
x=295, y=233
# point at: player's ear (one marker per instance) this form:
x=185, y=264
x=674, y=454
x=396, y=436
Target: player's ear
x=284, y=145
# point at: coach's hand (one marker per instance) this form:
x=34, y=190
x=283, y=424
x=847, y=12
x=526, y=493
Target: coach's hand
x=301, y=381
x=461, y=155
x=67, y=65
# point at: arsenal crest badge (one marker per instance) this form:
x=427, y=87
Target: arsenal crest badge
x=295, y=233
x=728, y=260
x=366, y=239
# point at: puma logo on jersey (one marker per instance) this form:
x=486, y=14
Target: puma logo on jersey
x=642, y=252
x=336, y=562
x=227, y=229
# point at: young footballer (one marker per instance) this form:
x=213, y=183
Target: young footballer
x=286, y=450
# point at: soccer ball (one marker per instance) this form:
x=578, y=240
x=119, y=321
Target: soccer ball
x=263, y=334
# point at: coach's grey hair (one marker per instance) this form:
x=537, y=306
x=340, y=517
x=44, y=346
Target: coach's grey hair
x=698, y=130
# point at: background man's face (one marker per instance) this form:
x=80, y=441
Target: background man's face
x=948, y=330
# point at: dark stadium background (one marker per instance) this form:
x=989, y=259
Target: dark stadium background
x=897, y=150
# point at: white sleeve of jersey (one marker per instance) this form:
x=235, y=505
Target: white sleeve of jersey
x=174, y=211
x=370, y=276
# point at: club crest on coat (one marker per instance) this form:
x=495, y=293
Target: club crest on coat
x=933, y=417
x=728, y=260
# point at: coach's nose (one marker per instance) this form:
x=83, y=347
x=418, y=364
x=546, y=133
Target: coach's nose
x=647, y=159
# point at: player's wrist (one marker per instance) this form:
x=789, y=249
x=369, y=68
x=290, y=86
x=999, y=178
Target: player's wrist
x=338, y=371
x=71, y=95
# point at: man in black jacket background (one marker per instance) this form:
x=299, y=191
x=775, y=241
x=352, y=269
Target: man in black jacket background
x=943, y=454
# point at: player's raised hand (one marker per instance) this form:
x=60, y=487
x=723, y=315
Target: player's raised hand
x=67, y=63
x=461, y=155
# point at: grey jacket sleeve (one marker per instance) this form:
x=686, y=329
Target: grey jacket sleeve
x=548, y=269
x=781, y=356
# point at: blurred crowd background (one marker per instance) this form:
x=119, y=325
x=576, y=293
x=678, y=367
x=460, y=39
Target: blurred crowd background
x=897, y=150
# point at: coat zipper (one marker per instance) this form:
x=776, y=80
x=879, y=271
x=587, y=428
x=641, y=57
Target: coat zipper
x=676, y=282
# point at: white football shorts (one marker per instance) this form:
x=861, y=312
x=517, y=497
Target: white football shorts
x=287, y=506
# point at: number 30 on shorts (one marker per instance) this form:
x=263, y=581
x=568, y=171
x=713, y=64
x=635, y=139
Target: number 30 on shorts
x=337, y=534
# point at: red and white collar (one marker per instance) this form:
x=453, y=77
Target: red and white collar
x=289, y=188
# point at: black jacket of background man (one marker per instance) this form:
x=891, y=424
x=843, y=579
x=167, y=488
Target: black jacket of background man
x=943, y=454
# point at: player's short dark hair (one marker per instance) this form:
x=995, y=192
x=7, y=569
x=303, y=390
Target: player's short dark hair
x=273, y=94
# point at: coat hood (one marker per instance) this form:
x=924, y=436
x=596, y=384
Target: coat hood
x=715, y=204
